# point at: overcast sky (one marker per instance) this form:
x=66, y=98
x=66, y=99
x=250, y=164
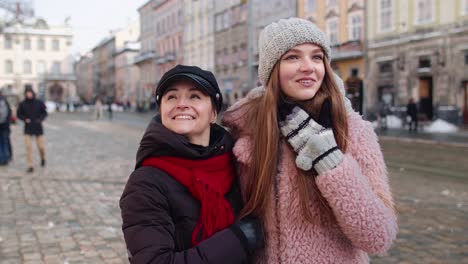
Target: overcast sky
x=91, y=19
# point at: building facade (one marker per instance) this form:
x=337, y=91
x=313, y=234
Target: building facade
x=231, y=49
x=199, y=33
x=145, y=60
x=84, y=77
x=169, y=28
x=418, y=49
x=344, y=23
x=36, y=55
x=104, y=69
x=127, y=74
x=258, y=18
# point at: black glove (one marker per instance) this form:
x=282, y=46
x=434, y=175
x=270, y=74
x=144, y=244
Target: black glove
x=250, y=232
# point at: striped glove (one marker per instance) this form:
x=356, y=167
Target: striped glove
x=314, y=144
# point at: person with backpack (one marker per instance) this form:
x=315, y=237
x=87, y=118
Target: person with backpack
x=5, y=115
x=33, y=112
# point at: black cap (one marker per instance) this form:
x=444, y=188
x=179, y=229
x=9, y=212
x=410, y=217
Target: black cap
x=204, y=79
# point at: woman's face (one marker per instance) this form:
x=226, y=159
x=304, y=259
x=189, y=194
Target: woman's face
x=302, y=71
x=187, y=111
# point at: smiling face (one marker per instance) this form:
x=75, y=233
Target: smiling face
x=302, y=71
x=187, y=111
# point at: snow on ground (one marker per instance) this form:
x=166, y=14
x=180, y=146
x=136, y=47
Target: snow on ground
x=440, y=126
x=437, y=126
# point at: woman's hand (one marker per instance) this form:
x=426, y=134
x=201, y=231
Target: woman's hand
x=314, y=144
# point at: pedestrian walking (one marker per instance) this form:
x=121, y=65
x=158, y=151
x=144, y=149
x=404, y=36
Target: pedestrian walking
x=384, y=111
x=181, y=203
x=412, y=115
x=33, y=112
x=309, y=166
x=98, y=109
x=5, y=115
x=109, y=109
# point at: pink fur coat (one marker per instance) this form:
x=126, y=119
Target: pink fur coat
x=358, y=224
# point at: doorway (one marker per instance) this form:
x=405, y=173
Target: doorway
x=426, y=109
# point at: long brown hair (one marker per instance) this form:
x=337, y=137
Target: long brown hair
x=263, y=124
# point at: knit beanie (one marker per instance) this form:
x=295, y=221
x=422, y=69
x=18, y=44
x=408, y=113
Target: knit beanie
x=279, y=37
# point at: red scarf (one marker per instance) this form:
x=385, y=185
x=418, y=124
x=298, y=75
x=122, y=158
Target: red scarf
x=208, y=181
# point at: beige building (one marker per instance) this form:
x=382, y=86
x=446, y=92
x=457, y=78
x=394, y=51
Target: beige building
x=104, y=69
x=231, y=49
x=127, y=73
x=169, y=28
x=419, y=49
x=145, y=60
x=84, y=77
x=199, y=33
x=37, y=55
x=344, y=23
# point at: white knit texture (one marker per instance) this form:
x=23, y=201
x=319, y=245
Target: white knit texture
x=279, y=37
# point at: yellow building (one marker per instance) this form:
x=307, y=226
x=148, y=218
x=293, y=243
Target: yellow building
x=418, y=49
x=344, y=23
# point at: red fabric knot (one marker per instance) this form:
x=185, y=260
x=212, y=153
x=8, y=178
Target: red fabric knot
x=208, y=181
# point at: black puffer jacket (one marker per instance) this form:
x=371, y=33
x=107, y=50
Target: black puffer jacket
x=159, y=214
x=34, y=110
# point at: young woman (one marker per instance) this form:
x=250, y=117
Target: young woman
x=181, y=202
x=309, y=166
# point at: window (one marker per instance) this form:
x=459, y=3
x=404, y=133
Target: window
x=27, y=67
x=8, y=66
x=332, y=29
x=27, y=44
x=219, y=22
x=385, y=67
x=40, y=44
x=8, y=43
x=465, y=7
x=355, y=27
x=310, y=6
x=423, y=11
x=55, y=45
x=385, y=15
x=331, y=2
x=41, y=67
x=56, y=67
x=227, y=19
x=425, y=62
x=466, y=58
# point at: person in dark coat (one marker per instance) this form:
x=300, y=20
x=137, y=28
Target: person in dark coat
x=5, y=115
x=181, y=203
x=33, y=112
x=412, y=113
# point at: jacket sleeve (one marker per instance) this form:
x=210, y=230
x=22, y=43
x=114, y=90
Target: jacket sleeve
x=149, y=230
x=20, y=112
x=43, y=112
x=358, y=193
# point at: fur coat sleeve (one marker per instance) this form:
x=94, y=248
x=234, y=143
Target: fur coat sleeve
x=357, y=188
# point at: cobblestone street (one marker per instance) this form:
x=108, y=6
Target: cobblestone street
x=68, y=211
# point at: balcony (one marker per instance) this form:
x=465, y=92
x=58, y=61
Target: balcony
x=168, y=57
x=348, y=50
x=145, y=56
